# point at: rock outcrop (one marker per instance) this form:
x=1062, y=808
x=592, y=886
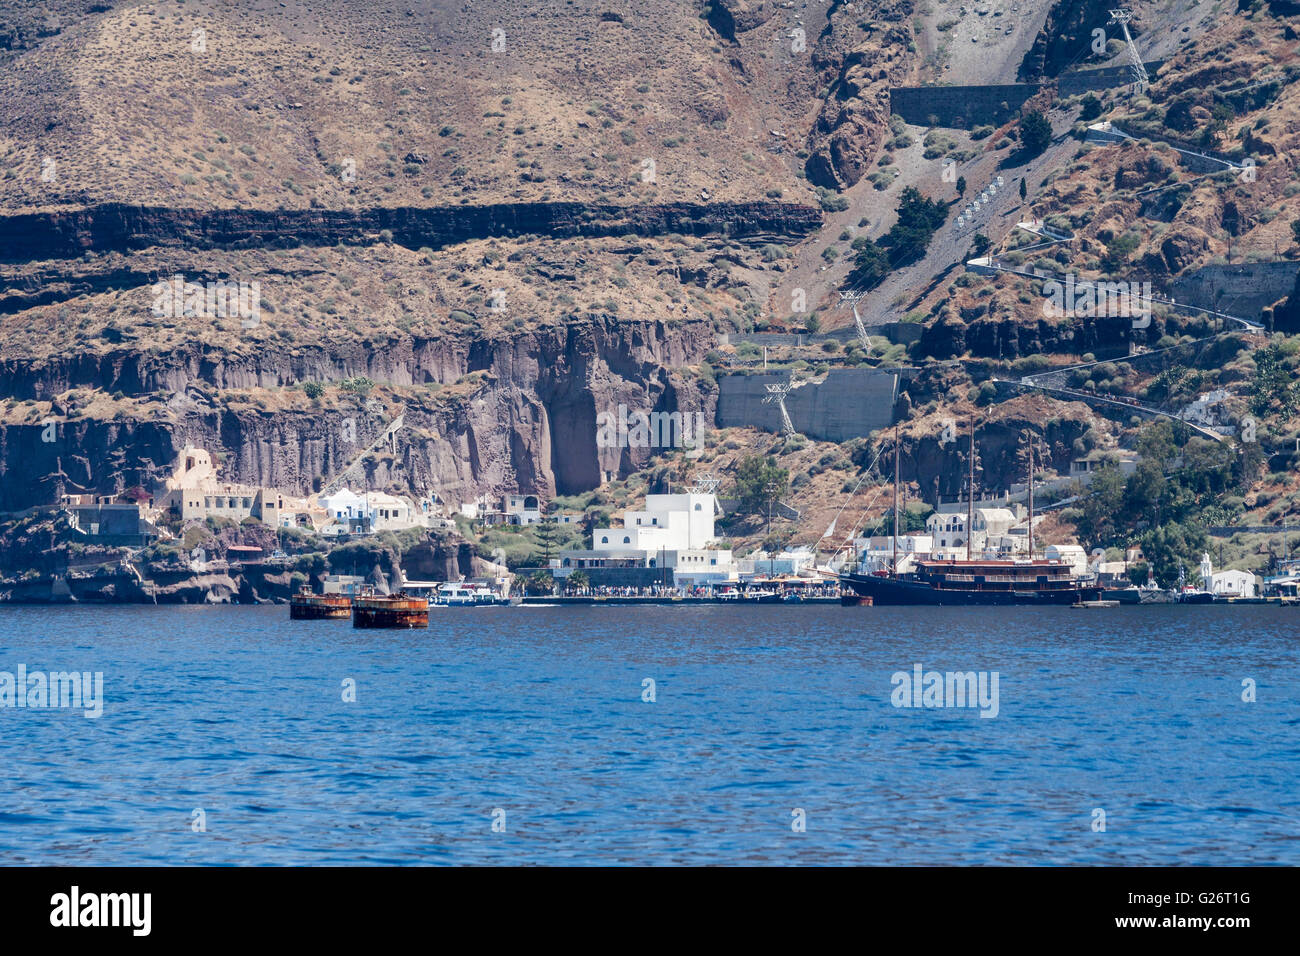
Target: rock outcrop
x=528, y=423
x=116, y=227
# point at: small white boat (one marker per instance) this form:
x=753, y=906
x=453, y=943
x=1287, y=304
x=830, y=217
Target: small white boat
x=455, y=595
x=484, y=596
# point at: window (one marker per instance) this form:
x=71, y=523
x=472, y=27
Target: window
x=604, y=540
x=626, y=539
x=698, y=507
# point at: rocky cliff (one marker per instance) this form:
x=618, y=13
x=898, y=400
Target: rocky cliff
x=528, y=420
x=116, y=227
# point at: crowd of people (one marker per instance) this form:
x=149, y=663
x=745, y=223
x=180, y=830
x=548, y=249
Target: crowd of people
x=827, y=589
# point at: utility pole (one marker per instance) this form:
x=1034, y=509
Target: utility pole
x=777, y=393
x=1136, y=67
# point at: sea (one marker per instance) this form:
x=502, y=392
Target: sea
x=732, y=735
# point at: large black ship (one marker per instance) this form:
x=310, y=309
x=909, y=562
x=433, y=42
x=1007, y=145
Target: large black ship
x=938, y=581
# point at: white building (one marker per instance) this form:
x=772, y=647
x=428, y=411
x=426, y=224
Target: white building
x=1071, y=554
x=789, y=562
x=668, y=523
x=372, y=511
x=345, y=506
x=389, y=513
x=700, y=566
x=1233, y=584
x=672, y=532
x=876, y=553
x=522, y=509
x=992, y=531
x=509, y=509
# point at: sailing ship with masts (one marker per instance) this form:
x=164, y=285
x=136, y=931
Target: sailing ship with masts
x=979, y=580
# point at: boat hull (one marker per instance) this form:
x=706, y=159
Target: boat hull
x=390, y=612
x=892, y=591
x=320, y=607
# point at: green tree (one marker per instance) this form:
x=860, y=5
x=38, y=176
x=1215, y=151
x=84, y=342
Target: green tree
x=760, y=484
x=777, y=540
x=545, y=533
x=359, y=385
x=961, y=188
x=1273, y=389
x=1179, y=115
x=541, y=582
x=870, y=265
x=1023, y=190
x=906, y=241
x=918, y=219
x=1171, y=546
x=1035, y=133
x=1095, y=518
x=1144, y=491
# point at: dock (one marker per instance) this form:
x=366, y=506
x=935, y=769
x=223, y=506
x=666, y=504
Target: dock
x=666, y=601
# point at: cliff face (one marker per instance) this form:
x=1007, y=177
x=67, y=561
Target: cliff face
x=530, y=422
x=854, y=118
x=1008, y=338
x=940, y=468
x=1067, y=31
x=116, y=227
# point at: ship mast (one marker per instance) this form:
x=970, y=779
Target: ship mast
x=895, y=565
x=1030, y=437
x=970, y=494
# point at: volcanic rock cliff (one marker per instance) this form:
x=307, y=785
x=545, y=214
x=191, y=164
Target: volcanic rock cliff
x=527, y=420
x=117, y=227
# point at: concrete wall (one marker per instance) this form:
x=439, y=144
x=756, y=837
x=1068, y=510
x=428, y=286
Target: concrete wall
x=850, y=403
x=1242, y=289
x=969, y=106
x=764, y=338
x=960, y=106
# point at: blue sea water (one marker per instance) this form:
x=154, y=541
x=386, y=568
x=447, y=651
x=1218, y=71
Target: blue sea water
x=759, y=712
